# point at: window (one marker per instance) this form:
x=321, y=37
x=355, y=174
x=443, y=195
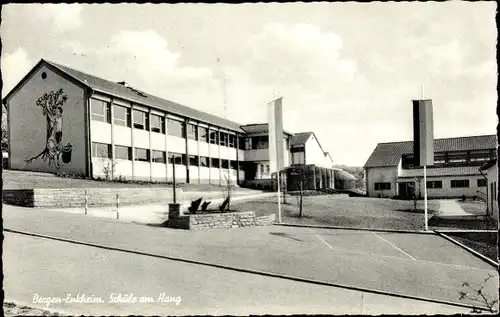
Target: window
x=193, y=160
x=440, y=158
x=242, y=142
x=157, y=124
x=480, y=155
x=435, y=184
x=176, y=128
x=101, y=150
x=232, y=141
x=262, y=169
x=215, y=163
x=158, y=156
x=141, y=120
x=192, y=132
x=268, y=171
x=225, y=164
x=123, y=152
x=481, y=182
x=234, y=165
x=100, y=111
x=248, y=143
x=203, y=134
x=259, y=142
x=214, y=136
x=180, y=159
x=240, y=166
x=223, y=139
x=460, y=183
x=141, y=155
x=457, y=157
x=204, y=161
x=121, y=116
x=382, y=186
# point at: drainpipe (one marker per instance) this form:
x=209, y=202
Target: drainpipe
x=487, y=196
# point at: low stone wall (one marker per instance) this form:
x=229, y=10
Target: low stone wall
x=96, y=197
x=219, y=220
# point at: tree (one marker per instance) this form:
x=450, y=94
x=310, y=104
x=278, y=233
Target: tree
x=413, y=188
x=108, y=166
x=5, y=131
x=477, y=295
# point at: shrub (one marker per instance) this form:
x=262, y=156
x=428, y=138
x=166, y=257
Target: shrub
x=70, y=175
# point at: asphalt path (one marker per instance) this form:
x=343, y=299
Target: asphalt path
x=411, y=264
x=38, y=268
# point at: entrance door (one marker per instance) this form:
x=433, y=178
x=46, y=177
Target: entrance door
x=404, y=190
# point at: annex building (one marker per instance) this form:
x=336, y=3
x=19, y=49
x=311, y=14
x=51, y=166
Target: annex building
x=389, y=171
x=63, y=120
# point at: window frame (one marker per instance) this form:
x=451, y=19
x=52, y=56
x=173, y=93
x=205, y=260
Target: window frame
x=95, y=146
x=206, y=160
x=126, y=120
x=163, y=159
x=432, y=184
x=203, y=135
x=105, y=107
x=172, y=129
x=192, y=131
x=382, y=185
x=215, y=162
x=129, y=152
x=482, y=182
x=453, y=183
x=145, y=120
x=137, y=156
x=153, y=126
x=215, y=133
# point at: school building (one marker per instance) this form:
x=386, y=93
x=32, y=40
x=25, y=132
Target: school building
x=63, y=120
x=390, y=172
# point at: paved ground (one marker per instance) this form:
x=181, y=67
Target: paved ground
x=451, y=208
x=419, y=265
x=76, y=269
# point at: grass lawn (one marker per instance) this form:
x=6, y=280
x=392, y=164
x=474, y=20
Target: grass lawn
x=473, y=207
x=29, y=180
x=341, y=210
x=484, y=243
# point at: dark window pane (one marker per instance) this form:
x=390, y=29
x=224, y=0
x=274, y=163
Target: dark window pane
x=214, y=136
x=225, y=164
x=232, y=141
x=481, y=182
x=180, y=159
x=234, y=165
x=215, y=163
x=241, y=140
x=193, y=160
x=204, y=161
x=223, y=139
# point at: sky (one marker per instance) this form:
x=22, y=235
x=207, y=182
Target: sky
x=346, y=71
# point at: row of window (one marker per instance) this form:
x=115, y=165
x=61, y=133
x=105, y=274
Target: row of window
x=101, y=111
x=457, y=157
x=102, y=150
x=455, y=183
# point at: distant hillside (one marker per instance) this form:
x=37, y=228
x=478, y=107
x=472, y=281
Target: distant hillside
x=357, y=171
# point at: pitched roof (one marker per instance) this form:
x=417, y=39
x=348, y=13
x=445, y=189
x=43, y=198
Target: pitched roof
x=440, y=171
x=131, y=94
x=389, y=154
x=300, y=138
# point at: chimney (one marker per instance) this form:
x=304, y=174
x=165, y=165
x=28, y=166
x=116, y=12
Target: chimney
x=123, y=83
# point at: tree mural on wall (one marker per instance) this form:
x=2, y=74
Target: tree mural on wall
x=55, y=152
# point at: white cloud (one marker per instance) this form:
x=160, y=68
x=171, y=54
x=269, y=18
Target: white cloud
x=15, y=66
x=62, y=16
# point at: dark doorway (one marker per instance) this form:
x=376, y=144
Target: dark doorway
x=405, y=190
